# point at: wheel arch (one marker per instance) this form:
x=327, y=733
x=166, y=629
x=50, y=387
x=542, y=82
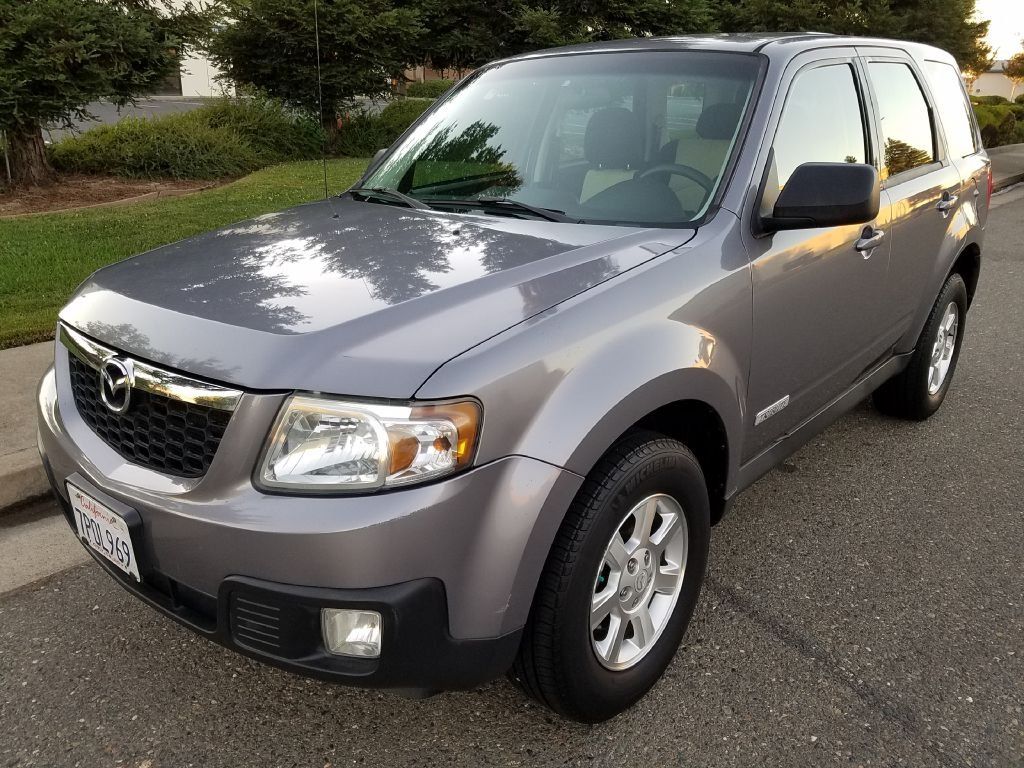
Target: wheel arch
x=707, y=421
x=699, y=427
x=968, y=266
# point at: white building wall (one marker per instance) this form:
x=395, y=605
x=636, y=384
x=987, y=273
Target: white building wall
x=197, y=72
x=994, y=84
x=198, y=78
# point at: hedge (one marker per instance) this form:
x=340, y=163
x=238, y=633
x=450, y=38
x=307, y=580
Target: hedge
x=227, y=138
x=362, y=134
x=1000, y=123
x=429, y=89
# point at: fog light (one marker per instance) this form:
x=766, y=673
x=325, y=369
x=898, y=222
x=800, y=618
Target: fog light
x=351, y=633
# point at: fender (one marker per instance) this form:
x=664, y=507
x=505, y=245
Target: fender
x=962, y=232
x=563, y=386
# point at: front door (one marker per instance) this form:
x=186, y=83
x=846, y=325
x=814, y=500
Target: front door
x=817, y=293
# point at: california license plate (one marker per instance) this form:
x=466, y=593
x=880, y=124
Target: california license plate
x=104, y=530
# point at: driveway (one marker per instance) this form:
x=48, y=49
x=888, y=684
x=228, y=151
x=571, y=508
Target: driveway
x=865, y=606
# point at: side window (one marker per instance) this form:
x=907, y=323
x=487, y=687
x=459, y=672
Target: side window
x=821, y=122
x=954, y=109
x=906, y=125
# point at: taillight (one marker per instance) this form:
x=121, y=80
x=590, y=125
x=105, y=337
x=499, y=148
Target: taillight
x=988, y=194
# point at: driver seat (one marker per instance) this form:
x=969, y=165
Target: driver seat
x=705, y=152
x=613, y=147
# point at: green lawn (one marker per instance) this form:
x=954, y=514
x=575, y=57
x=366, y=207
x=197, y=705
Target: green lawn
x=43, y=258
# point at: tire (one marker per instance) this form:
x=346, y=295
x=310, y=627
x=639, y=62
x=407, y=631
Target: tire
x=913, y=394
x=559, y=661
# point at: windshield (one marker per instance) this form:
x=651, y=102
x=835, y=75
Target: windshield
x=613, y=138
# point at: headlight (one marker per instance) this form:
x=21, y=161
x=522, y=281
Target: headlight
x=319, y=444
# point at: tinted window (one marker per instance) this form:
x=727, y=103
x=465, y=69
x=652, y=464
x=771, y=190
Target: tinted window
x=906, y=125
x=821, y=122
x=953, y=107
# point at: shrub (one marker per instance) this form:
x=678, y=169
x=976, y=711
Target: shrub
x=271, y=129
x=231, y=137
x=429, y=89
x=990, y=100
x=362, y=134
x=1000, y=124
x=399, y=115
x=177, y=146
x=1019, y=99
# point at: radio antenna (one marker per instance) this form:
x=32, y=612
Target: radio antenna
x=320, y=94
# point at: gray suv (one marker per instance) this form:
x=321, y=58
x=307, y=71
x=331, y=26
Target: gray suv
x=478, y=413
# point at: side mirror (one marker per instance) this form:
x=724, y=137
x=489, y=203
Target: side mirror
x=825, y=195
x=378, y=155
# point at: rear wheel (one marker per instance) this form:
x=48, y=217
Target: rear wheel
x=620, y=583
x=919, y=390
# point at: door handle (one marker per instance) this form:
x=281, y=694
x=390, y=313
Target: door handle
x=947, y=202
x=869, y=240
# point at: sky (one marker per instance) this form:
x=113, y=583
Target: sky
x=1007, y=25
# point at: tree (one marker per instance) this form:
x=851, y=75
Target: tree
x=948, y=24
x=973, y=71
x=58, y=56
x=272, y=45
x=1013, y=68
x=467, y=33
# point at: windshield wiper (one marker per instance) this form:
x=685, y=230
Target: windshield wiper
x=390, y=194
x=504, y=203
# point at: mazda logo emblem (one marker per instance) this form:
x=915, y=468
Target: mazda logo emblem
x=116, y=384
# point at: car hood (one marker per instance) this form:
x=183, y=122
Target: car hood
x=347, y=297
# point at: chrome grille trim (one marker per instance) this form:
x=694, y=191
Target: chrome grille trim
x=148, y=378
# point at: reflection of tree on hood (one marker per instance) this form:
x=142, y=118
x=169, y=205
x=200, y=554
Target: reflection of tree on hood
x=239, y=292
x=538, y=295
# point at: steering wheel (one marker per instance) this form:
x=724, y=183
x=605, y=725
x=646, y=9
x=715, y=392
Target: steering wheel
x=678, y=169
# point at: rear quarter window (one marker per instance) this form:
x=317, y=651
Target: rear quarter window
x=953, y=107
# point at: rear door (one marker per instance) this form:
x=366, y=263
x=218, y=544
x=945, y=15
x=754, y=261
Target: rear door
x=923, y=187
x=962, y=142
x=817, y=292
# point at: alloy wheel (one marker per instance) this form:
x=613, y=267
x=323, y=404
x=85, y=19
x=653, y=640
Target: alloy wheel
x=638, y=582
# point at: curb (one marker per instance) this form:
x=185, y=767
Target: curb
x=21, y=478
x=1008, y=181
x=154, y=195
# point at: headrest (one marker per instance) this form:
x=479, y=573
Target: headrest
x=613, y=139
x=718, y=121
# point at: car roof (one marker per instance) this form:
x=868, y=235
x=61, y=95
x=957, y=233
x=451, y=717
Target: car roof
x=782, y=45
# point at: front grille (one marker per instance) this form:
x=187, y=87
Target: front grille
x=255, y=624
x=158, y=432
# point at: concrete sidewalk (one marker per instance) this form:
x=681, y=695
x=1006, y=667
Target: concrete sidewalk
x=21, y=475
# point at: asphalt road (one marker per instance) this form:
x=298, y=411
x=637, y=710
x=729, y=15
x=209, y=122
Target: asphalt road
x=865, y=606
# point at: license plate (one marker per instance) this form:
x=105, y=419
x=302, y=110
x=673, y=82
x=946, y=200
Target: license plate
x=104, y=530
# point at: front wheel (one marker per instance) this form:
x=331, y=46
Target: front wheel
x=919, y=390
x=620, y=583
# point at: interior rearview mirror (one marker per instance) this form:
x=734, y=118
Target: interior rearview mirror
x=825, y=195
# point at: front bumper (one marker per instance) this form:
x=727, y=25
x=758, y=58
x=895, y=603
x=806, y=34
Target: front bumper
x=451, y=566
x=418, y=653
